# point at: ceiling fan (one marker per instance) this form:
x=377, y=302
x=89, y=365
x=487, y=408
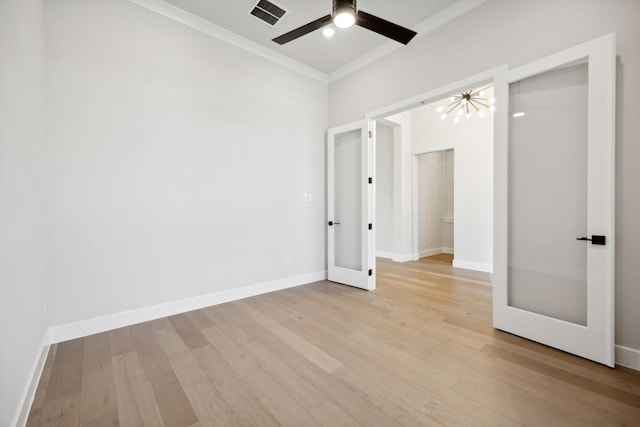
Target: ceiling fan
x=344, y=15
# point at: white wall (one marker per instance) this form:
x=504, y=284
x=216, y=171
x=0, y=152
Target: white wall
x=177, y=162
x=384, y=189
x=510, y=33
x=22, y=213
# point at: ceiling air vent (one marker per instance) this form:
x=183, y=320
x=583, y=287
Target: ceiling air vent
x=267, y=11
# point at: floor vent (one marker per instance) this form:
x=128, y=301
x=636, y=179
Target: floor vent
x=267, y=12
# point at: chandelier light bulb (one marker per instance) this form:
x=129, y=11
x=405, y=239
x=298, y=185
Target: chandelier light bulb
x=464, y=103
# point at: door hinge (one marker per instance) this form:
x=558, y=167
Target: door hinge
x=370, y=180
x=370, y=226
x=370, y=134
x=370, y=272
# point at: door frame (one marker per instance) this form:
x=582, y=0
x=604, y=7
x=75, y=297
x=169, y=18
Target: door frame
x=437, y=94
x=415, y=200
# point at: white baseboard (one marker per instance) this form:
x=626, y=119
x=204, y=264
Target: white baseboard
x=430, y=252
x=469, y=265
x=29, y=392
x=395, y=257
x=384, y=254
x=434, y=251
x=403, y=257
x=629, y=357
x=117, y=320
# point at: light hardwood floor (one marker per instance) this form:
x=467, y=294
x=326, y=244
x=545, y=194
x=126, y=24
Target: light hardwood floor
x=419, y=351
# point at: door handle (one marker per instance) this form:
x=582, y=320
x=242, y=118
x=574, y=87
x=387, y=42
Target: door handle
x=333, y=223
x=595, y=240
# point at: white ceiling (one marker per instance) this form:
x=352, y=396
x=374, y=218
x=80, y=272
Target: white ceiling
x=314, y=50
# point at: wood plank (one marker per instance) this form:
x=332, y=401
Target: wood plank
x=120, y=341
x=189, y=333
x=611, y=392
x=269, y=361
x=153, y=360
x=308, y=350
x=232, y=388
x=98, y=401
x=344, y=396
x=62, y=411
x=398, y=400
x=613, y=406
x=341, y=394
x=173, y=403
x=284, y=408
x=66, y=374
x=237, y=358
x=199, y=319
x=207, y=403
x=329, y=414
x=137, y=405
x=35, y=412
x=526, y=406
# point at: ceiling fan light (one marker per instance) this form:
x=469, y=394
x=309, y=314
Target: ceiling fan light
x=344, y=18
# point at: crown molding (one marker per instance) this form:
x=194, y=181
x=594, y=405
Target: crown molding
x=457, y=9
x=180, y=15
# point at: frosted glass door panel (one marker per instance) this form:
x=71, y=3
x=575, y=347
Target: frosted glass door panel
x=348, y=200
x=547, y=266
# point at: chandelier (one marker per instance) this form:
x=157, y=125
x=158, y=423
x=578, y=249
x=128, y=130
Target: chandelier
x=466, y=102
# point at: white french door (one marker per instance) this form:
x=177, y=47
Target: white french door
x=554, y=201
x=350, y=204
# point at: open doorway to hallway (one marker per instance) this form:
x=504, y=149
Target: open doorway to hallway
x=434, y=189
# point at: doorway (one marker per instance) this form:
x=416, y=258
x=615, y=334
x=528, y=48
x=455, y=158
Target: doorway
x=416, y=151
x=435, y=193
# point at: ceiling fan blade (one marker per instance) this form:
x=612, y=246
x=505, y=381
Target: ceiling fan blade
x=301, y=31
x=384, y=27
